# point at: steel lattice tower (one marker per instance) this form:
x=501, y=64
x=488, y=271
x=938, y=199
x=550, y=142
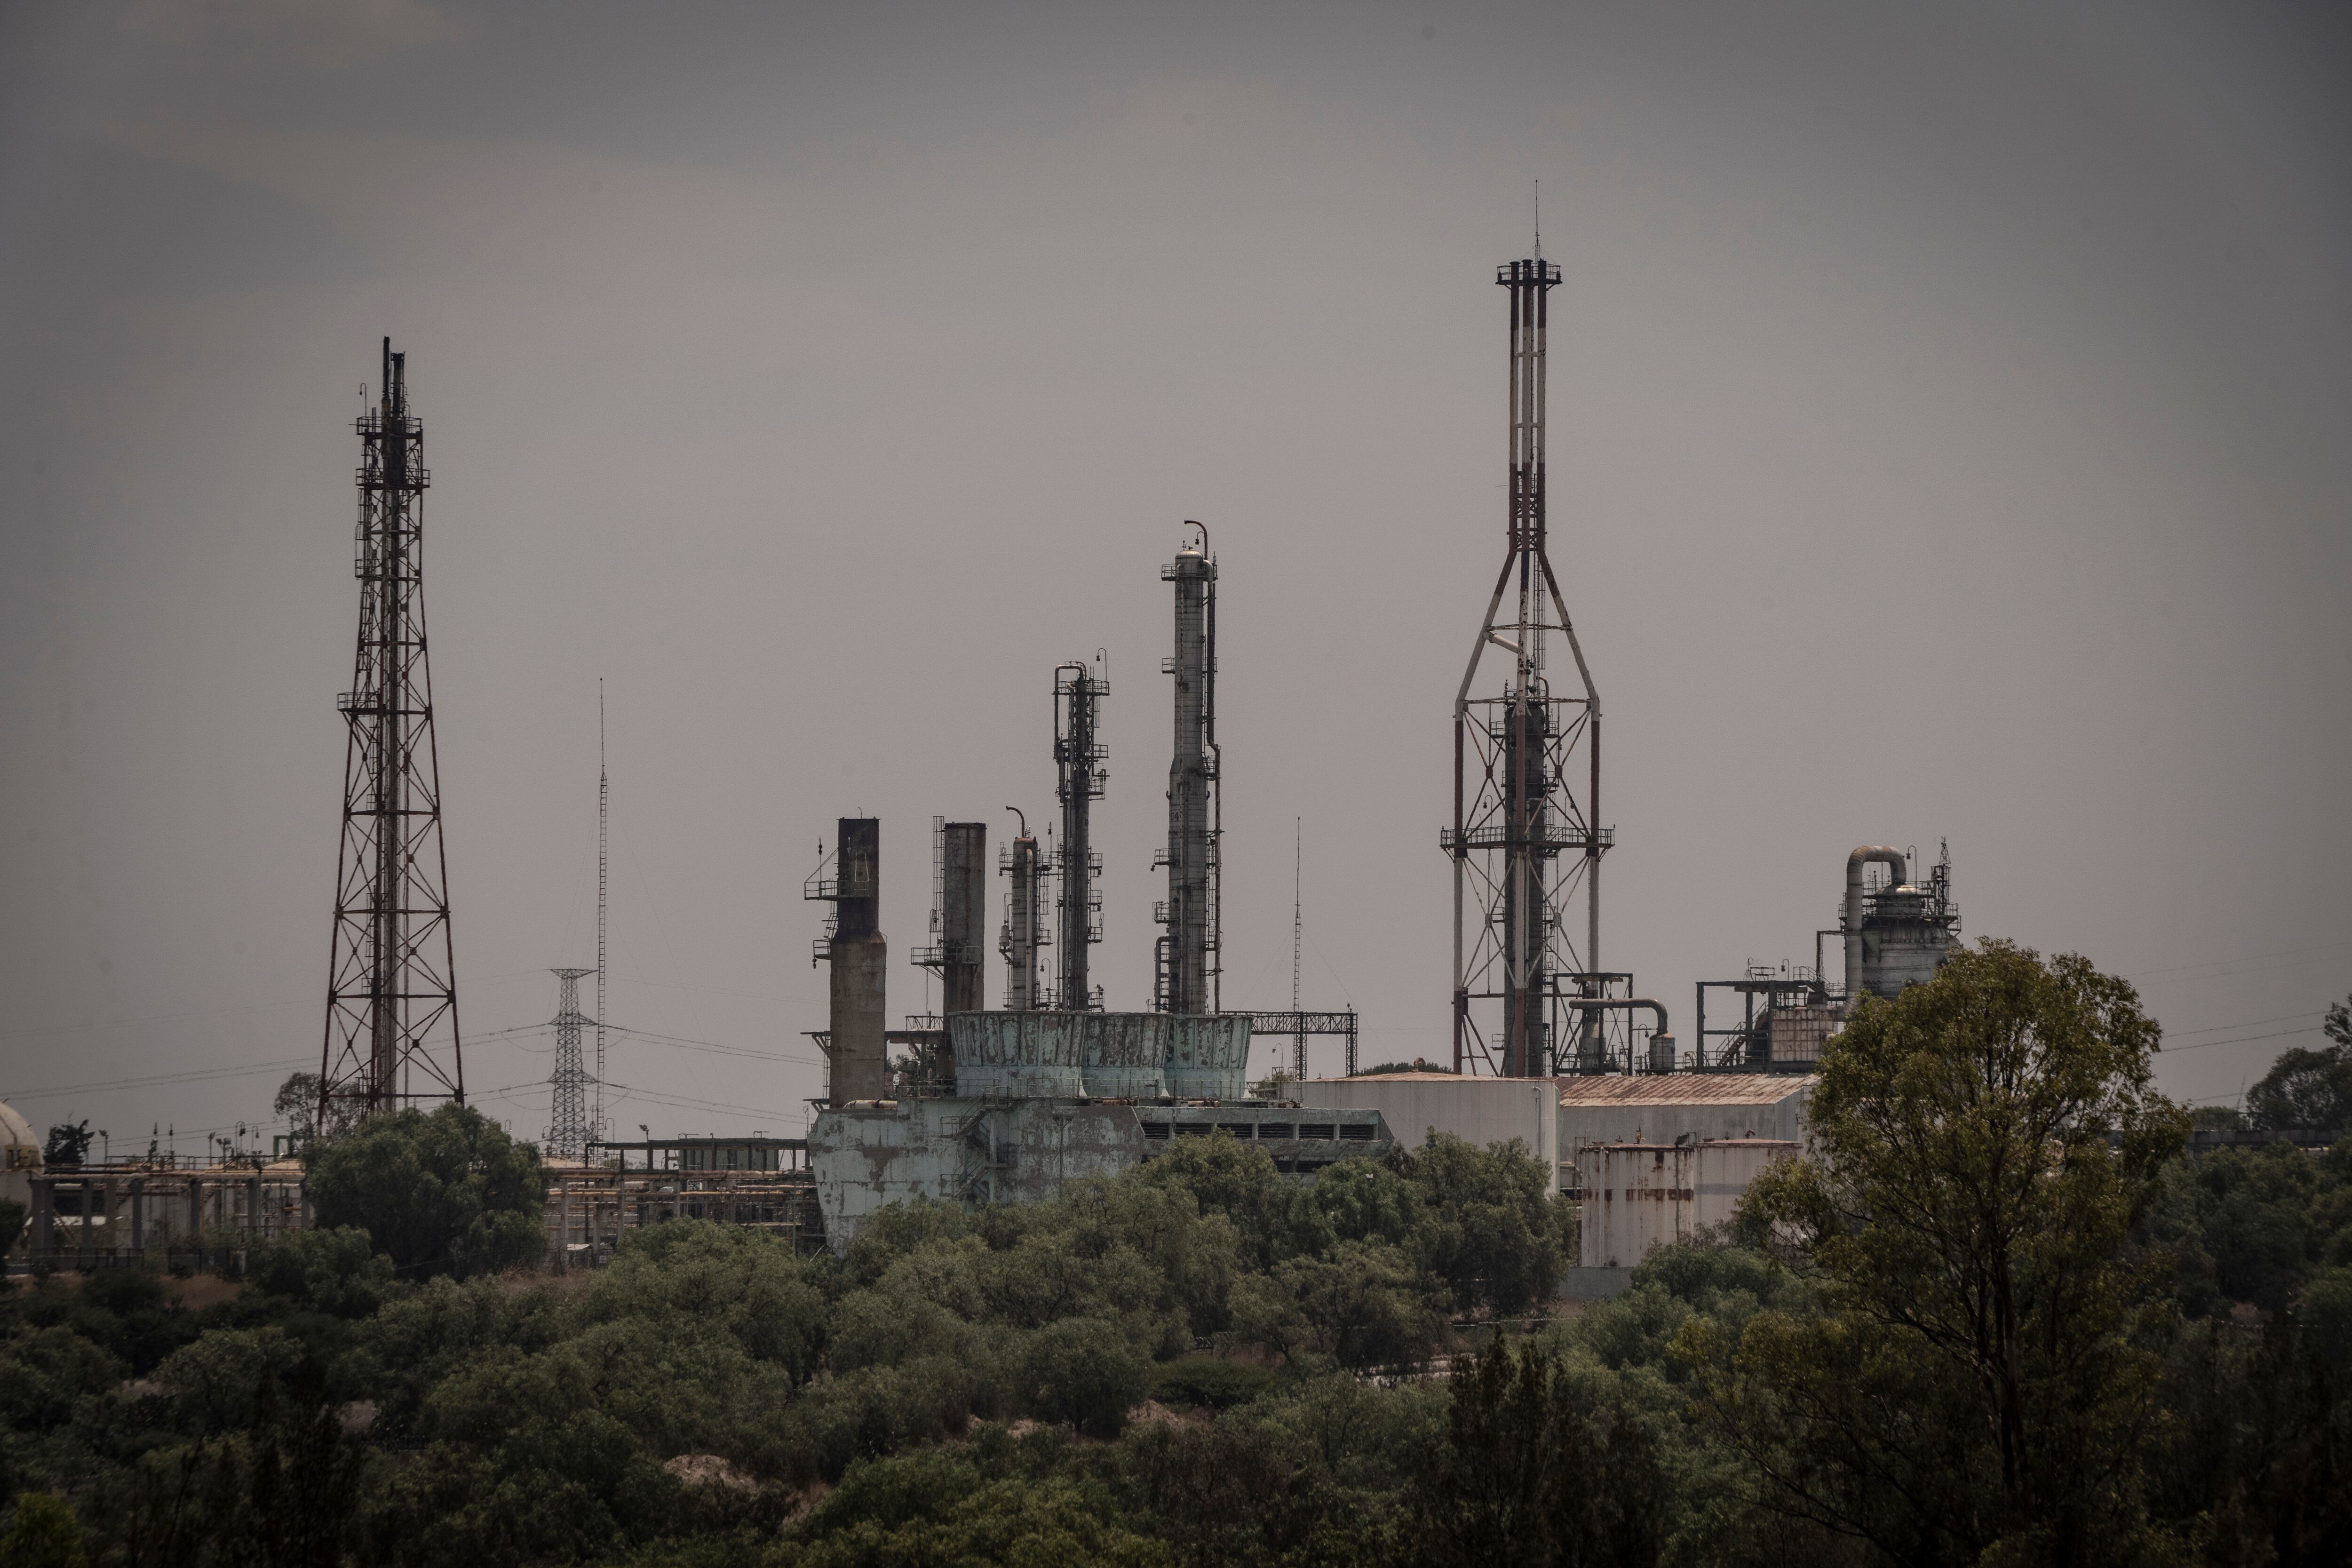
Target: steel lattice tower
x=568, y=1125
x=1523, y=840
x=392, y=992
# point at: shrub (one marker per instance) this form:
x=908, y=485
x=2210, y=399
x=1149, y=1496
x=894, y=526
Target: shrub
x=333, y=1270
x=42, y=1533
x=1084, y=1371
x=1216, y=1382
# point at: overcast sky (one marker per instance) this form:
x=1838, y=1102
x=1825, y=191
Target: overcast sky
x=1951, y=439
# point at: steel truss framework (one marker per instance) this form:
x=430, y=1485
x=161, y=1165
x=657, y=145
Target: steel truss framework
x=1526, y=840
x=392, y=1034
x=570, y=1120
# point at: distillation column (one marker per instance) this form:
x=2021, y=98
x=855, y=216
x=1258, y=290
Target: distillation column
x=1024, y=930
x=859, y=955
x=1188, y=952
x=1079, y=690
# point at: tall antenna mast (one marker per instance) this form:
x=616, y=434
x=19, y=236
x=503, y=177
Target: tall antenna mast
x=391, y=984
x=603, y=796
x=1297, y=892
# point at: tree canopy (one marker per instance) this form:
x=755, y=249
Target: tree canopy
x=1982, y=1375
x=444, y=1192
x=2306, y=1090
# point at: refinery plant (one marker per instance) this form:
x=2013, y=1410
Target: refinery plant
x=1006, y=1101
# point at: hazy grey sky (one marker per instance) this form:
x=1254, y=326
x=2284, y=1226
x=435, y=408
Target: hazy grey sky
x=1949, y=438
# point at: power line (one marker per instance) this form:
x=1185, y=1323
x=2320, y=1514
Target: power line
x=2249, y=958
x=198, y=1075
x=2244, y=1039
x=2248, y=1024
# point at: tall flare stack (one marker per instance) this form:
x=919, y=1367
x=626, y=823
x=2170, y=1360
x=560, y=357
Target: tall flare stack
x=392, y=988
x=1188, y=968
x=1523, y=840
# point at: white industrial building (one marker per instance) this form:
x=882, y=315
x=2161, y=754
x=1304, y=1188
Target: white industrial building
x=1654, y=1160
x=1481, y=1110
x=1639, y=1197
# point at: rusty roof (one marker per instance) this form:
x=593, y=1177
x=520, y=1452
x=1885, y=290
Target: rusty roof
x=1685, y=1088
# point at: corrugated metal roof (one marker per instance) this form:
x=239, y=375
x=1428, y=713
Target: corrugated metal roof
x=1685, y=1088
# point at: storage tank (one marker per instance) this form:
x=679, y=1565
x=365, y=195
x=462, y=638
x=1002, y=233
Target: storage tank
x=20, y=1156
x=1902, y=934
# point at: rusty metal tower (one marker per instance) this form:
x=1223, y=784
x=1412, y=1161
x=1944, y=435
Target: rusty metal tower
x=1079, y=690
x=1526, y=837
x=392, y=990
x=1187, y=973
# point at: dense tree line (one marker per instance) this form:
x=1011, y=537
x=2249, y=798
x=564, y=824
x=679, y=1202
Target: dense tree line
x=1997, y=1315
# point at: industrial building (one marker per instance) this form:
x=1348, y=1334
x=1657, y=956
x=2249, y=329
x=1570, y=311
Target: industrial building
x=1482, y=1110
x=1648, y=1195
x=1011, y=1105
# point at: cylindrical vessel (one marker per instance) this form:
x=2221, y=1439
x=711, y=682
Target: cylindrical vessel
x=1189, y=848
x=1022, y=934
x=1905, y=939
x=964, y=916
x=859, y=1069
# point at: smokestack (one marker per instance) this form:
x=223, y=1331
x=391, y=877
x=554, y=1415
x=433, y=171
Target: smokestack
x=964, y=916
x=860, y=956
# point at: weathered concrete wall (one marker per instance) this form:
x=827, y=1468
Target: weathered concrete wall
x=1208, y=1055
x=960, y=1150
x=1018, y=1056
x=1641, y=1197
x=1125, y=1054
x=1099, y=1056
x=860, y=964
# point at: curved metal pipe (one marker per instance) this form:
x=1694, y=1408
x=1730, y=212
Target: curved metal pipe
x=1863, y=854
x=1603, y=1003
